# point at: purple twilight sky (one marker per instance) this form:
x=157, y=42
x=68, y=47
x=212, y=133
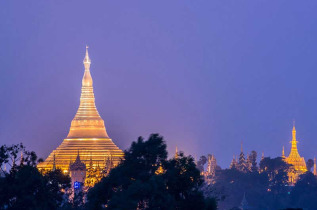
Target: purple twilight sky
x=204, y=74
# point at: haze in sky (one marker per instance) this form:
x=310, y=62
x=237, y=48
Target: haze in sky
x=204, y=74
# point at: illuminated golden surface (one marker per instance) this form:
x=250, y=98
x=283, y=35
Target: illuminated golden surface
x=159, y=170
x=87, y=133
x=295, y=159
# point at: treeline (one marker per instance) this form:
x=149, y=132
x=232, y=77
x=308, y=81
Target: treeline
x=22, y=186
x=265, y=188
x=145, y=179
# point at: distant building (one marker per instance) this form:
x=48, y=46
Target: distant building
x=210, y=172
x=234, y=163
x=244, y=203
x=212, y=165
x=77, y=172
x=294, y=159
x=241, y=164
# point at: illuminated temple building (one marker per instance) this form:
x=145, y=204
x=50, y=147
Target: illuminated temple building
x=295, y=159
x=87, y=135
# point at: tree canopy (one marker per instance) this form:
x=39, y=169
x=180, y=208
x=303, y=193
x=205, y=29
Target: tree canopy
x=146, y=179
x=24, y=187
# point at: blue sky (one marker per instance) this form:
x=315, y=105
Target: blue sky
x=204, y=74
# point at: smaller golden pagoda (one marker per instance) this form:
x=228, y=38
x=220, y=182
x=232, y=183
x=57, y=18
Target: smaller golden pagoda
x=295, y=159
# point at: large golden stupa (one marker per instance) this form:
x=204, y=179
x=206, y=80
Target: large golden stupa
x=87, y=134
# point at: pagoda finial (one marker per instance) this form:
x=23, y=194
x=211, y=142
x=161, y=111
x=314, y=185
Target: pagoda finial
x=87, y=60
x=241, y=146
x=283, y=153
x=262, y=156
x=87, y=79
x=176, y=153
x=294, y=131
x=294, y=141
x=78, y=157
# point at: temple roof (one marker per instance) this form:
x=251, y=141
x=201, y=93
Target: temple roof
x=77, y=165
x=294, y=158
x=244, y=203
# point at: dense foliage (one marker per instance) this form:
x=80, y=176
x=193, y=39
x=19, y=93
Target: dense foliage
x=264, y=189
x=24, y=187
x=146, y=179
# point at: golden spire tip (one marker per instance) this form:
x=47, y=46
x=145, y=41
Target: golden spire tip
x=241, y=146
x=293, y=124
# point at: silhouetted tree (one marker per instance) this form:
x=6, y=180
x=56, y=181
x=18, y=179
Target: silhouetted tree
x=136, y=183
x=24, y=187
x=273, y=166
x=57, y=184
x=304, y=193
x=276, y=170
x=310, y=164
x=230, y=184
x=252, y=158
x=201, y=162
x=242, y=165
x=183, y=182
x=13, y=154
x=266, y=190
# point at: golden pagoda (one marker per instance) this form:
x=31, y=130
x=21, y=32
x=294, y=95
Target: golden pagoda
x=87, y=134
x=298, y=162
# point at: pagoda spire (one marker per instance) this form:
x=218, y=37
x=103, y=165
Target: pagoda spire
x=87, y=60
x=176, y=153
x=241, y=146
x=294, y=142
x=87, y=122
x=78, y=157
x=295, y=159
x=283, y=153
x=233, y=163
x=244, y=203
x=87, y=79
